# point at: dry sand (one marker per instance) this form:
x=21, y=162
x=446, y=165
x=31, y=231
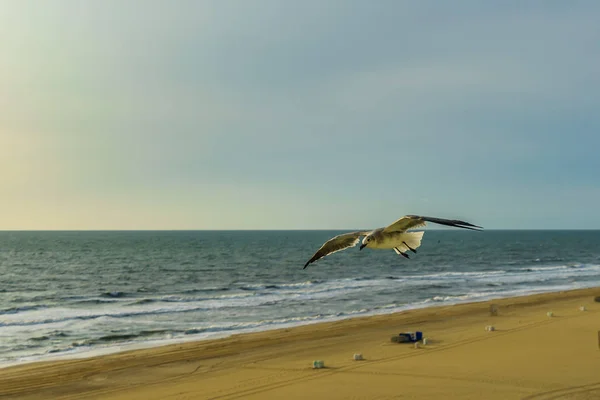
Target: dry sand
x=528, y=356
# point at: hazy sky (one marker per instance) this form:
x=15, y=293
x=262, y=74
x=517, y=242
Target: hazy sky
x=256, y=114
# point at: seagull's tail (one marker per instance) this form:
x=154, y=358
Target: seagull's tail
x=410, y=241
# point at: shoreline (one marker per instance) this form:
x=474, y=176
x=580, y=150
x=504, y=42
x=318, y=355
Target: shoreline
x=210, y=367
x=81, y=354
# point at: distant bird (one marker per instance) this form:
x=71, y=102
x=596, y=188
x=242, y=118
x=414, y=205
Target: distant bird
x=394, y=236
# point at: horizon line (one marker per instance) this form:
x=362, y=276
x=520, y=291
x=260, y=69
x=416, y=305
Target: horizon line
x=277, y=229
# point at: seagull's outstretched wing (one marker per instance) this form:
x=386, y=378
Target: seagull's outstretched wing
x=336, y=244
x=418, y=221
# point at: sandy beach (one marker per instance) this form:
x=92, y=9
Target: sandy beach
x=529, y=355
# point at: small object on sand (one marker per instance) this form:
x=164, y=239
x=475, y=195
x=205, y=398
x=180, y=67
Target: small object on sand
x=493, y=310
x=425, y=341
x=318, y=364
x=358, y=357
x=582, y=308
x=490, y=328
x=407, y=337
x=597, y=299
x=550, y=314
x=399, y=339
x=416, y=345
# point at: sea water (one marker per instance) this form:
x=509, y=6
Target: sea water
x=79, y=293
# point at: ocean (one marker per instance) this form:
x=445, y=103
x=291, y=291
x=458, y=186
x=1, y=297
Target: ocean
x=77, y=294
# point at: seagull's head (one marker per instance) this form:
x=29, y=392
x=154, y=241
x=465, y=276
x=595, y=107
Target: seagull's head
x=366, y=240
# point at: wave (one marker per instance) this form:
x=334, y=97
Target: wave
x=264, y=324
x=266, y=286
x=49, y=335
x=123, y=337
x=456, y=274
x=488, y=295
x=115, y=294
x=147, y=307
x=519, y=275
x=62, y=314
x=94, y=301
x=559, y=267
x=122, y=305
x=15, y=310
x=273, y=323
x=207, y=289
x=144, y=301
x=227, y=328
x=440, y=287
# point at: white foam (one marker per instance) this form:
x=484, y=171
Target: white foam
x=175, y=311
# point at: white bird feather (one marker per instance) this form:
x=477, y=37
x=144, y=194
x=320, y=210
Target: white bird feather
x=393, y=236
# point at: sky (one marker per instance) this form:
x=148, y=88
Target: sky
x=275, y=114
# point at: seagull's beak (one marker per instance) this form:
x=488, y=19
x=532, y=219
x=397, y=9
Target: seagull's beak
x=362, y=246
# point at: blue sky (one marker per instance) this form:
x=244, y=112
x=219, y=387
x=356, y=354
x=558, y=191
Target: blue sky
x=298, y=115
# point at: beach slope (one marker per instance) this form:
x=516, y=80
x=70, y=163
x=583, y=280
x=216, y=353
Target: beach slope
x=529, y=355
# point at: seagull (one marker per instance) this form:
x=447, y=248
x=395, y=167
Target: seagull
x=394, y=236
